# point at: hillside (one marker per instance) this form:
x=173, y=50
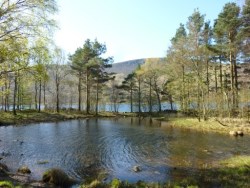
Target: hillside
x=125, y=67
x=122, y=69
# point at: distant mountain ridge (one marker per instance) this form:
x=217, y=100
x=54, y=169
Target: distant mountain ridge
x=125, y=67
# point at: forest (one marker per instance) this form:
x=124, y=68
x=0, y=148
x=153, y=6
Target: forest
x=199, y=74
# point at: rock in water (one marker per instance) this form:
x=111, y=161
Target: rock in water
x=136, y=169
x=240, y=133
x=24, y=170
x=57, y=177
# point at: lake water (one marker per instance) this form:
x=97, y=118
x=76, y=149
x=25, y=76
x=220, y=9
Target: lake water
x=83, y=148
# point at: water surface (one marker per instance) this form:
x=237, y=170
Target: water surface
x=83, y=148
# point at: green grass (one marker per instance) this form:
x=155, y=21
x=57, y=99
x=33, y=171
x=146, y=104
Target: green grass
x=33, y=116
x=6, y=184
x=116, y=183
x=230, y=172
x=213, y=125
x=237, y=162
x=216, y=125
x=235, y=171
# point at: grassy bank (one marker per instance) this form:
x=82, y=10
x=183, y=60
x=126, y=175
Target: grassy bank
x=231, y=172
x=32, y=116
x=224, y=125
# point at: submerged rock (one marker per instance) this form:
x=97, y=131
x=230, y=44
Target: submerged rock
x=57, y=177
x=136, y=169
x=5, y=154
x=24, y=170
x=240, y=133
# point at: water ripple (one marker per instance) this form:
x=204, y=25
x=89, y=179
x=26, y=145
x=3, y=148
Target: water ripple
x=83, y=148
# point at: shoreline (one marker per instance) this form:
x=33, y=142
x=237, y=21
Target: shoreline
x=33, y=116
x=219, y=125
x=230, y=172
x=225, y=169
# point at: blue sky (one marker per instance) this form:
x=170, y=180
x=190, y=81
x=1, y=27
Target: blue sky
x=131, y=29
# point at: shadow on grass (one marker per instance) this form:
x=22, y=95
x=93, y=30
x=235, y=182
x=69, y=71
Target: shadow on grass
x=186, y=177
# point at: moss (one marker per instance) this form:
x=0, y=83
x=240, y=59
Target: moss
x=6, y=184
x=115, y=183
x=57, y=177
x=42, y=162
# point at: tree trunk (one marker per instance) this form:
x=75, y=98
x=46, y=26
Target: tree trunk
x=171, y=102
x=18, y=94
x=36, y=88
x=87, y=92
x=235, y=81
x=183, y=102
x=232, y=72
x=40, y=95
x=79, y=92
x=97, y=97
x=159, y=101
x=215, y=78
x=6, y=95
x=157, y=94
x=14, y=94
x=44, y=94
x=57, y=95
x=131, y=98
x=150, y=95
x=204, y=110
x=221, y=75
x=207, y=75
x=139, y=94
x=2, y=101
x=198, y=93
